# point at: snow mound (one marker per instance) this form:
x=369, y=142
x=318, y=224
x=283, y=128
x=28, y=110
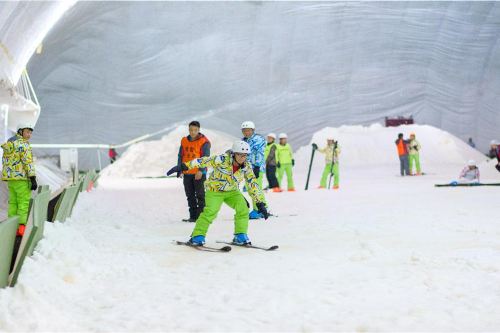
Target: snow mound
x=154, y=158
x=374, y=146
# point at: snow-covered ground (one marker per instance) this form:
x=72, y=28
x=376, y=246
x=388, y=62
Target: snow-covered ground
x=384, y=253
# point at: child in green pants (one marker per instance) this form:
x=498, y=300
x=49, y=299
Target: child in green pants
x=222, y=186
x=331, y=151
x=285, y=162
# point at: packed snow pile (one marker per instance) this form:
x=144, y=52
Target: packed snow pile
x=375, y=146
x=154, y=158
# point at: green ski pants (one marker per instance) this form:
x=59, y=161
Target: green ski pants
x=285, y=168
x=19, y=199
x=326, y=172
x=213, y=203
x=414, y=158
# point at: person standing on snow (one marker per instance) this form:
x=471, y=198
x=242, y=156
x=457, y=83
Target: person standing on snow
x=331, y=151
x=414, y=156
x=195, y=145
x=256, y=159
x=112, y=154
x=495, y=146
x=271, y=159
x=19, y=172
x=402, y=146
x=229, y=169
x=285, y=162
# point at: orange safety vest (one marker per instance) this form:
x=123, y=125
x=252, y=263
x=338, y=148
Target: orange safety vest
x=192, y=150
x=402, y=149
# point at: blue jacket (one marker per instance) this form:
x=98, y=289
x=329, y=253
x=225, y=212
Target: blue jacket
x=257, y=146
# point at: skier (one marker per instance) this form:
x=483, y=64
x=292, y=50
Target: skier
x=493, y=149
x=331, y=151
x=496, y=146
x=285, y=162
x=19, y=172
x=469, y=175
x=229, y=169
x=271, y=160
x=414, y=156
x=471, y=143
x=195, y=145
x=257, y=145
x=112, y=154
x=402, y=146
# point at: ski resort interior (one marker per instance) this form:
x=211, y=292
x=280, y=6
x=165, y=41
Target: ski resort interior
x=250, y=166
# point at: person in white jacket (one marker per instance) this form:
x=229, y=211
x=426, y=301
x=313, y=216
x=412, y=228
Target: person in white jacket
x=469, y=175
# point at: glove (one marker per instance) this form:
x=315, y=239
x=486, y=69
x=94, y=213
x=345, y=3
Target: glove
x=177, y=169
x=315, y=146
x=498, y=167
x=262, y=209
x=34, y=185
x=278, y=165
x=256, y=171
x=293, y=162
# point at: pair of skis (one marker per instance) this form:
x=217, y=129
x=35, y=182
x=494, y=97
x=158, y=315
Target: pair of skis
x=225, y=248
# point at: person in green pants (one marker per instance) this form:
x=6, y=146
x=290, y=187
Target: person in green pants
x=285, y=162
x=414, y=155
x=331, y=151
x=19, y=173
x=222, y=186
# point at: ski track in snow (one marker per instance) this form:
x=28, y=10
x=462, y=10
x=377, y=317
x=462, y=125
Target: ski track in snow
x=396, y=255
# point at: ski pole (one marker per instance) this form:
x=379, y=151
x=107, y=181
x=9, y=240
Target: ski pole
x=310, y=166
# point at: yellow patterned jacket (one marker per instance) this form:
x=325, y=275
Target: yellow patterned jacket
x=222, y=178
x=17, y=159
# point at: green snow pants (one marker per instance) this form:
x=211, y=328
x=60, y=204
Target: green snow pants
x=414, y=158
x=19, y=199
x=326, y=172
x=285, y=168
x=213, y=203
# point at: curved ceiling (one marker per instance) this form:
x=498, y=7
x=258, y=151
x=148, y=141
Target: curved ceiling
x=111, y=71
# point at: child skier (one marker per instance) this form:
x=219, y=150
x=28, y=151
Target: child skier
x=331, y=151
x=414, y=155
x=469, y=175
x=255, y=157
x=285, y=162
x=19, y=172
x=222, y=186
x=271, y=159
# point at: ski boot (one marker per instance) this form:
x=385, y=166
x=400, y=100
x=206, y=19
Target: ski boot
x=197, y=240
x=241, y=239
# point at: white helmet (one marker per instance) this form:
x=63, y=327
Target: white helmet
x=272, y=135
x=493, y=142
x=283, y=136
x=248, y=124
x=23, y=126
x=241, y=147
x=471, y=163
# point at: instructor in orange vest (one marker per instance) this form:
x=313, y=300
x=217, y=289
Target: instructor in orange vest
x=193, y=146
x=402, y=145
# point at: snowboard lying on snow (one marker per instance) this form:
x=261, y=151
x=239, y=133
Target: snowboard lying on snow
x=471, y=184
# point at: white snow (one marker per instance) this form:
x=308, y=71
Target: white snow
x=384, y=253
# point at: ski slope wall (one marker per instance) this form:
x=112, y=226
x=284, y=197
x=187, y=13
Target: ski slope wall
x=112, y=71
